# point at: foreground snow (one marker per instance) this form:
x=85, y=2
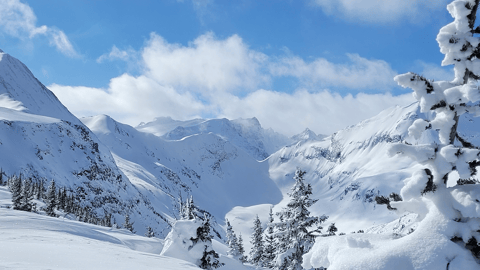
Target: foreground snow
x=425, y=248
x=33, y=241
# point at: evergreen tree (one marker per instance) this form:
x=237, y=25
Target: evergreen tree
x=298, y=236
x=61, y=198
x=51, y=199
x=232, y=242
x=15, y=186
x=269, y=249
x=39, y=190
x=445, y=102
x=188, y=210
x=256, y=253
x=150, y=233
x=209, y=258
x=1, y=177
x=332, y=229
x=26, y=196
x=241, y=249
x=128, y=224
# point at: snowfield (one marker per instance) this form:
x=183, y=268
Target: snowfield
x=32, y=241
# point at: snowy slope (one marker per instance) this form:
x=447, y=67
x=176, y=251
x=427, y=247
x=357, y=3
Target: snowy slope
x=243, y=133
x=32, y=241
x=349, y=168
x=218, y=174
x=41, y=139
x=20, y=90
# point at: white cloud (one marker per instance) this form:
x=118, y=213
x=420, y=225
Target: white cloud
x=359, y=73
x=213, y=77
x=18, y=20
x=117, y=54
x=374, y=11
x=206, y=64
x=129, y=100
x=324, y=112
x=133, y=100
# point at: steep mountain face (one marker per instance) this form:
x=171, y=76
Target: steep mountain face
x=217, y=173
x=247, y=134
x=20, y=90
x=349, y=168
x=41, y=139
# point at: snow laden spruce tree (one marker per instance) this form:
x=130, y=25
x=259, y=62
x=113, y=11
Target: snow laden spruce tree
x=256, y=252
x=234, y=247
x=269, y=248
x=429, y=192
x=190, y=239
x=296, y=229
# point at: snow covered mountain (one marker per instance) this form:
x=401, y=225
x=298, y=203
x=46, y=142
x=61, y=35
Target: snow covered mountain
x=42, y=140
x=204, y=165
x=128, y=171
x=21, y=91
x=161, y=125
x=247, y=134
x=350, y=167
x=307, y=135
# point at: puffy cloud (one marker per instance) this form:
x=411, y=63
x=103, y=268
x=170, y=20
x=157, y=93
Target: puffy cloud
x=213, y=77
x=324, y=112
x=359, y=73
x=130, y=100
x=205, y=64
x=18, y=20
x=374, y=11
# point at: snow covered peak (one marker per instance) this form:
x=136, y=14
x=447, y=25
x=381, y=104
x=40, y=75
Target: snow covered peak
x=162, y=125
x=19, y=86
x=307, y=135
x=248, y=123
x=104, y=124
x=247, y=134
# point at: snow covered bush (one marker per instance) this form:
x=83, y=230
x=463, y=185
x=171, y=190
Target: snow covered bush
x=448, y=213
x=190, y=240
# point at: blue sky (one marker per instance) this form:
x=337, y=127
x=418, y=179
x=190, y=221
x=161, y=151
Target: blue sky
x=323, y=64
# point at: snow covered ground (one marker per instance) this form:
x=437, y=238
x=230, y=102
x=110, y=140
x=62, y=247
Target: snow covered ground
x=34, y=241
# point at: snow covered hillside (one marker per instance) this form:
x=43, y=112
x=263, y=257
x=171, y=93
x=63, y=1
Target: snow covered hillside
x=349, y=168
x=33, y=241
x=218, y=174
x=21, y=91
x=42, y=140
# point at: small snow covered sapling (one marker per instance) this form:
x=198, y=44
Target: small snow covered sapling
x=256, y=253
x=149, y=233
x=270, y=247
x=426, y=191
x=51, y=199
x=232, y=243
x=128, y=224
